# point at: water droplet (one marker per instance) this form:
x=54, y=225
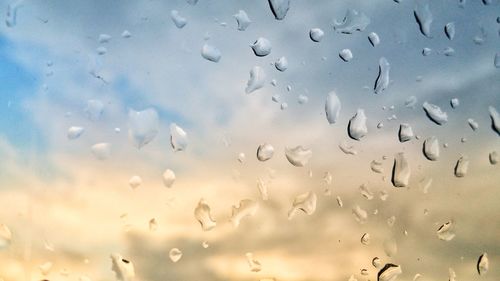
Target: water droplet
x=205, y=244
x=495, y=119
x=461, y=167
x=94, y=110
x=390, y=247
x=45, y=268
x=316, y=34
x=178, y=138
x=391, y=220
x=135, y=182
x=257, y=79
x=426, y=51
x=75, y=132
x=496, y=60
x=483, y=264
x=332, y=107
x=241, y=157
x=281, y=64
x=178, y=20
x=153, y=225
x=376, y=262
x=365, y=239
x=265, y=152
x=449, y=30
x=302, y=99
x=305, y=202
x=203, y=216
x=431, y=148
x=242, y=19
x=383, y=195
x=298, y=156
x=376, y=166
x=345, y=55
x=423, y=16
x=104, y=38
x=473, y=124
x=494, y=158
x=380, y=125
x=124, y=269
x=449, y=51
x=168, y=178
x=353, y=21
x=126, y=34
x=143, y=126
x=401, y=171
x=339, y=202
x=366, y=192
x=11, y=18
x=357, y=125
x=101, y=50
x=435, y=113
x=279, y=8
x=254, y=265
x=451, y=274
x=382, y=81
x=374, y=39
x=347, y=148
x=446, y=232
x=262, y=186
x=405, y=132
x=411, y=102
x=246, y=208
x=364, y=271
x=101, y=151
x=454, y=102
x=261, y=47
x=175, y=254
x=210, y=53
x=360, y=215
x=389, y=272
x=5, y=236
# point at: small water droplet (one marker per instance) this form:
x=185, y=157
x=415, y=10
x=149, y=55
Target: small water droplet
x=143, y=126
x=473, y=124
x=390, y=247
x=298, y=156
x=94, y=109
x=366, y=192
x=75, y=132
x=449, y=30
x=376, y=166
x=261, y=47
x=376, y=262
x=496, y=60
x=495, y=119
x=178, y=20
x=168, y=178
x=345, y=55
x=210, y=53
x=126, y=34
x=360, y=215
x=305, y=202
x=391, y=220
x=153, y=225
x=175, y=254
x=178, y=138
x=257, y=79
x=332, y=107
x=281, y=64
x=243, y=20
x=347, y=148
x=494, y=157
x=316, y=34
x=426, y=51
x=461, y=167
x=374, y=39
x=451, y=274
x=262, y=186
x=5, y=236
x=411, y=102
x=101, y=151
x=446, y=231
x=265, y=152
x=454, y=102
x=365, y=239
x=104, y=38
x=203, y=216
x=483, y=264
x=254, y=265
x=353, y=21
x=135, y=182
x=339, y=201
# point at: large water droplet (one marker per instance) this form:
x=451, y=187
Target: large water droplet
x=449, y=29
x=178, y=20
x=374, y=39
x=261, y=47
x=124, y=269
x=401, y=171
x=435, y=113
x=357, y=125
x=281, y=64
x=353, y=21
x=101, y=151
x=168, y=178
x=389, y=272
x=405, y=132
x=346, y=55
x=483, y=264
x=175, y=254
x=75, y=132
x=424, y=17
x=382, y=81
x=279, y=8
x=178, y=138
x=298, y=156
x=495, y=119
x=316, y=34
x=446, y=231
x=461, y=167
x=5, y=236
x=242, y=19
x=210, y=53
x=246, y=208
x=305, y=202
x=332, y=107
x=265, y=152
x=431, y=148
x=143, y=126
x=257, y=79
x=203, y=216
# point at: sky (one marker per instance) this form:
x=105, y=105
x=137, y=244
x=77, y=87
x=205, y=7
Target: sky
x=64, y=205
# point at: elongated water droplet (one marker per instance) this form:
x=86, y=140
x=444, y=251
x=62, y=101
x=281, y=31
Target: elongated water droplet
x=298, y=156
x=405, y=132
x=431, y=148
x=305, y=202
x=495, y=119
x=101, y=151
x=332, y=107
x=75, y=132
x=357, y=125
x=94, y=109
x=246, y=208
x=494, y=157
x=360, y=215
x=449, y=29
x=339, y=201
x=135, y=182
x=203, y=216
x=261, y=47
x=382, y=81
x=242, y=19
x=401, y=171
x=168, y=178
x=473, y=124
x=143, y=126
x=257, y=79
x=347, y=148
x=446, y=231
x=175, y=254
x=265, y=152
x=178, y=20
x=389, y=272
x=210, y=53
x=374, y=39
x=316, y=34
x=124, y=269
x=345, y=55
x=454, y=102
x=281, y=64
x=435, y=113
x=5, y=236
x=279, y=8
x=353, y=21
x=390, y=247
x=178, y=138
x=365, y=239
x=254, y=265
x=461, y=167
x=483, y=264
x=424, y=17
